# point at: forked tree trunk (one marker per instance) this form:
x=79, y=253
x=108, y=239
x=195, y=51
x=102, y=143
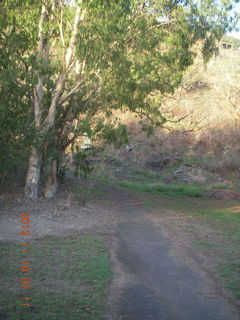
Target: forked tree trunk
x=52, y=181
x=33, y=174
x=45, y=125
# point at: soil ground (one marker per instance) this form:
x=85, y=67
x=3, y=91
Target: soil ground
x=157, y=271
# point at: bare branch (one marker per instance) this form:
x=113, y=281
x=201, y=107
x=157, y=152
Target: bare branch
x=38, y=89
x=92, y=93
x=70, y=51
x=180, y=119
x=60, y=25
x=72, y=92
x=164, y=23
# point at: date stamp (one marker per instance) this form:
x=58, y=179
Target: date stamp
x=25, y=249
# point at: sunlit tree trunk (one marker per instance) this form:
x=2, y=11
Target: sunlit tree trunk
x=33, y=175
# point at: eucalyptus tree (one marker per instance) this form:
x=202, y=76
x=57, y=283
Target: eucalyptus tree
x=87, y=58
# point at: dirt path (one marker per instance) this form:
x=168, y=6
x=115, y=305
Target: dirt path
x=151, y=282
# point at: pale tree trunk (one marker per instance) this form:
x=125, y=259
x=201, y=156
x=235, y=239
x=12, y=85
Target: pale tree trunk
x=44, y=125
x=52, y=181
x=34, y=165
x=33, y=175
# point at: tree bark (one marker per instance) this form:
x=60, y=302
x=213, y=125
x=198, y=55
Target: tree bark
x=33, y=175
x=52, y=181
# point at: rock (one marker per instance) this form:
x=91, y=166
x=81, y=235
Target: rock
x=159, y=162
x=111, y=161
x=223, y=194
x=86, y=147
x=128, y=148
x=179, y=171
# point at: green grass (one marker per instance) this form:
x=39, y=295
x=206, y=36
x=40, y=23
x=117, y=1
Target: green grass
x=69, y=276
x=231, y=272
x=229, y=187
x=192, y=160
x=144, y=173
x=167, y=189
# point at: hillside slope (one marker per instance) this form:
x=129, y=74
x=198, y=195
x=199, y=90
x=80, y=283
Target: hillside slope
x=201, y=141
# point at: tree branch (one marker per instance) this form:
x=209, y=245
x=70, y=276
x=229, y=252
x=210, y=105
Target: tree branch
x=180, y=119
x=71, y=93
x=164, y=23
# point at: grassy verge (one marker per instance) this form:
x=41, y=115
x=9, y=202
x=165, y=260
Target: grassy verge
x=227, y=221
x=223, y=243
x=68, y=276
x=171, y=190
x=144, y=174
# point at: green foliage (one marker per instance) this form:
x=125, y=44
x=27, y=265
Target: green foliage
x=134, y=54
x=85, y=192
x=82, y=166
x=16, y=131
x=16, y=134
x=115, y=135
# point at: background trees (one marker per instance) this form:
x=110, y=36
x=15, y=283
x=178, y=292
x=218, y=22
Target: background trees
x=15, y=88
x=77, y=61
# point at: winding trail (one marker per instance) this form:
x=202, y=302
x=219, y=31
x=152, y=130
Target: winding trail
x=150, y=282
